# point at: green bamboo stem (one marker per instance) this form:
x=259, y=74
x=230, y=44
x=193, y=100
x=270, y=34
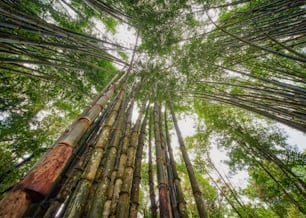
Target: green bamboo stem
x=80, y=195
x=99, y=198
x=137, y=172
x=150, y=172
x=201, y=206
x=123, y=153
x=181, y=203
x=122, y=160
x=124, y=196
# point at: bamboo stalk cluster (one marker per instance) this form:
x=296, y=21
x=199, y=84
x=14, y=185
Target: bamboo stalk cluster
x=94, y=170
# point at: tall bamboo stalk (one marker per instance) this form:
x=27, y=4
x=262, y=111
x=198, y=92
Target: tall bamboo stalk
x=71, y=175
x=150, y=172
x=172, y=192
x=137, y=172
x=80, y=195
x=124, y=196
x=168, y=171
x=120, y=167
x=100, y=196
x=162, y=180
x=201, y=206
x=181, y=203
x=122, y=160
x=41, y=178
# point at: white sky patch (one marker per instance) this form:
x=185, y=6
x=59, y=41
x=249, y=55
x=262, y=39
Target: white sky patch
x=4, y=116
x=187, y=128
x=295, y=137
x=135, y=113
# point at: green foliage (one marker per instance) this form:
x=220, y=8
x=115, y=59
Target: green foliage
x=110, y=24
x=123, y=55
x=252, y=57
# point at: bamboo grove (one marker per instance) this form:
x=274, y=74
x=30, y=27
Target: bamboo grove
x=237, y=66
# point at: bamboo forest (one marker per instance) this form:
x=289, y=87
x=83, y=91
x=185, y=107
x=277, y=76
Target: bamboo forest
x=153, y=108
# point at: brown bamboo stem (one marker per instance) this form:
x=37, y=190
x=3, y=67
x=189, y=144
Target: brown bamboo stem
x=162, y=183
x=137, y=172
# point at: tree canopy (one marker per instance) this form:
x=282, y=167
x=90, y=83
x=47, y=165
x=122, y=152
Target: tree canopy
x=238, y=66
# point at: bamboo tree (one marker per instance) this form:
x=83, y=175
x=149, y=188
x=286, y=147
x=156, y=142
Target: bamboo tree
x=120, y=167
x=193, y=181
x=181, y=203
x=172, y=194
x=79, y=198
x=122, y=160
x=73, y=171
x=124, y=196
x=137, y=172
x=41, y=178
x=173, y=211
x=161, y=170
x=153, y=206
x=92, y=169
x=99, y=198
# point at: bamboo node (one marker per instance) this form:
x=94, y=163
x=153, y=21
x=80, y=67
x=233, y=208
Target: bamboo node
x=197, y=192
x=106, y=96
x=162, y=185
x=89, y=121
x=159, y=159
x=85, y=177
x=136, y=203
x=66, y=144
x=124, y=192
x=100, y=105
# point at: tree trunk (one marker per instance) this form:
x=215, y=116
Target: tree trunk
x=122, y=160
x=39, y=181
x=193, y=181
x=162, y=183
x=80, y=195
x=181, y=203
x=124, y=196
x=137, y=171
x=100, y=196
x=150, y=172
